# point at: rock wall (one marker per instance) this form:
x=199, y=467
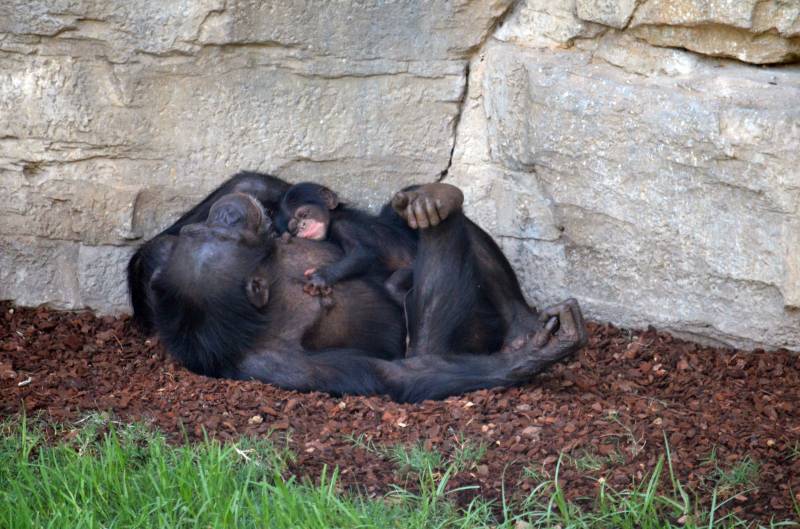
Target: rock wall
x=636, y=154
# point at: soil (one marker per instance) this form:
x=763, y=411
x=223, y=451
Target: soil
x=608, y=410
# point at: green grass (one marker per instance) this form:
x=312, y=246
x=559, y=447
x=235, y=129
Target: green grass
x=734, y=479
x=110, y=475
x=589, y=461
x=794, y=451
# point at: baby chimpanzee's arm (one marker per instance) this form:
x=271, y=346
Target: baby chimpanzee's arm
x=360, y=256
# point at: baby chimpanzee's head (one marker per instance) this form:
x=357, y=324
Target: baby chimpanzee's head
x=305, y=211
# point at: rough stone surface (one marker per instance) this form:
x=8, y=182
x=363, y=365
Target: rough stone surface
x=664, y=196
x=723, y=41
x=614, y=13
x=545, y=23
x=116, y=115
x=757, y=31
x=658, y=185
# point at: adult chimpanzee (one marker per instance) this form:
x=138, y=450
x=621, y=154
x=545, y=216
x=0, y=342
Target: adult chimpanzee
x=225, y=295
x=380, y=244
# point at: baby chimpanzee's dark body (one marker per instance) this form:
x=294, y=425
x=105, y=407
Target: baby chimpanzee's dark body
x=381, y=245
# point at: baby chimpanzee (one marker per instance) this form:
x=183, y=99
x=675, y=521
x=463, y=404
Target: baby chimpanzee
x=380, y=244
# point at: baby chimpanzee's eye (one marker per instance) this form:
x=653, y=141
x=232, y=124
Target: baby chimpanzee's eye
x=302, y=213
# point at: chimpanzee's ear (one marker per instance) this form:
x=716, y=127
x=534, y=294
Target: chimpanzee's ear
x=258, y=288
x=330, y=198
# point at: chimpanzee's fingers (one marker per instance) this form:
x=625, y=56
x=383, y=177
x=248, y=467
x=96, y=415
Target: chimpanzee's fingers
x=430, y=209
x=440, y=209
x=540, y=339
x=400, y=201
x=580, y=323
x=419, y=211
x=568, y=329
x=412, y=222
x=544, y=334
x=549, y=312
x=309, y=272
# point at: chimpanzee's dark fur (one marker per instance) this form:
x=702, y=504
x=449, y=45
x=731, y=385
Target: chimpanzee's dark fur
x=266, y=188
x=226, y=297
x=380, y=245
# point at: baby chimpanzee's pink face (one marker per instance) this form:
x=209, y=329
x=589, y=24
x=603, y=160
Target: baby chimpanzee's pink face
x=310, y=222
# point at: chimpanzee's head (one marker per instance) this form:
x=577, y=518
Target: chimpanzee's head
x=305, y=211
x=210, y=296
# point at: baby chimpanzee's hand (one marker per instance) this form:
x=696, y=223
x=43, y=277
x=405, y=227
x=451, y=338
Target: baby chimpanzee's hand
x=316, y=283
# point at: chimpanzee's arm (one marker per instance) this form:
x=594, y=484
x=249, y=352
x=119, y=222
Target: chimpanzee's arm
x=351, y=372
x=358, y=257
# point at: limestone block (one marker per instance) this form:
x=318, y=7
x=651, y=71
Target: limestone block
x=404, y=30
x=671, y=193
x=756, y=31
x=638, y=57
x=35, y=271
x=508, y=204
x=614, y=13
x=782, y=16
x=545, y=23
x=757, y=16
x=114, y=29
x=408, y=30
x=67, y=207
x=722, y=41
x=101, y=277
x=791, y=286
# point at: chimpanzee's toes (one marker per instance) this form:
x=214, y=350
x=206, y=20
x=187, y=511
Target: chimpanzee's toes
x=516, y=344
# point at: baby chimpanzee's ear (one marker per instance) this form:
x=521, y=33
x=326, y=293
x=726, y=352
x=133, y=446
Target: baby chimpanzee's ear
x=330, y=198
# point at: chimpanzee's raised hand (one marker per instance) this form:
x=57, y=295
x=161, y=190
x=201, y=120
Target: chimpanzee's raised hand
x=428, y=205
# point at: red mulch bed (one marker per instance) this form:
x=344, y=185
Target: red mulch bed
x=617, y=399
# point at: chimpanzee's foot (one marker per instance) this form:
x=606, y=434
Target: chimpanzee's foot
x=532, y=340
x=428, y=205
x=564, y=332
x=524, y=324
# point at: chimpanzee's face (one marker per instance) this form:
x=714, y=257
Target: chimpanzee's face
x=305, y=211
x=310, y=221
x=222, y=256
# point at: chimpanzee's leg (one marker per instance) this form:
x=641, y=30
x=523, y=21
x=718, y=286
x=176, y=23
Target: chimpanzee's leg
x=497, y=306
x=450, y=307
x=505, y=293
x=399, y=284
x=424, y=377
